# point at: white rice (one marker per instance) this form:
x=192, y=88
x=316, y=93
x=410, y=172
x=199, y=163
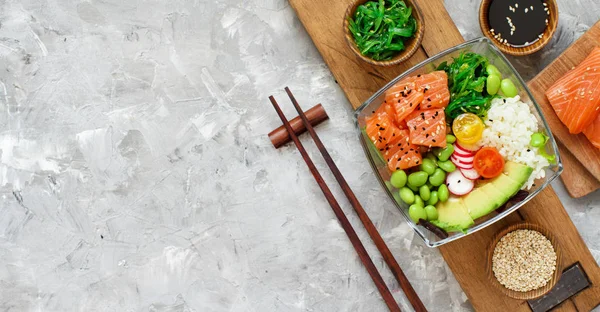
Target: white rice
x=509, y=127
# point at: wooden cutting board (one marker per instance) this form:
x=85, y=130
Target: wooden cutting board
x=576, y=150
x=465, y=257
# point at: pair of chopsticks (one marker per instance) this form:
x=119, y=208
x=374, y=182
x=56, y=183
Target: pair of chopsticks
x=364, y=218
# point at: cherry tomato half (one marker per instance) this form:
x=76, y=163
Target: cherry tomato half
x=488, y=162
x=468, y=128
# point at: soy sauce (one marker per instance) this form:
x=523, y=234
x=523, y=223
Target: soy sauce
x=518, y=22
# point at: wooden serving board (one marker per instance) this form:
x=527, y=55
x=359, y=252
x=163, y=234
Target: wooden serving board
x=581, y=159
x=465, y=257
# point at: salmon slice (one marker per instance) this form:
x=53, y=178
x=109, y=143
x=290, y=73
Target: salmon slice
x=402, y=154
x=382, y=131
x=389, y=110
x=404, y=98
x=435, y=89
x=592, y=132
x=576, y=96
x=427, y=127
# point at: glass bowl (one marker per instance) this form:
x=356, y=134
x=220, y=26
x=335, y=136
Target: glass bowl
x=484, y=47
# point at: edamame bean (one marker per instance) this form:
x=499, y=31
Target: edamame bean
x=508, y=88
x=450, y=138
x=538, y=140
x=417, y=212
x=407, y=195
x=413, y=188
x=432, y=213
x=398, y=179
x=417, y=178
x=444, y=154
x=492, y=84
x=432, y=157
x=433, y=198
x=424, y=192
x=447, y=166
x=428, y=166
x=443, y=193
x=493, y=70
x=438, y=177
x=419, y=201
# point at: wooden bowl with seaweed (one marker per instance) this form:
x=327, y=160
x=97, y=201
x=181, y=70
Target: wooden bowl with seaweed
x=384, y=33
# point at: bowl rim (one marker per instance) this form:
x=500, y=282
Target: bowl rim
x=525, y=50
x=402, y=55
x=554, y=146
x=534, y=293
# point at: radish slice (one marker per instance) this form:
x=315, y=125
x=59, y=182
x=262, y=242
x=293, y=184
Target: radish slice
x=470, y=174
x=462, y=153
x=460, y=165
x=468, y=147
x=458, y=184
x=464, y=160
x=458, y=150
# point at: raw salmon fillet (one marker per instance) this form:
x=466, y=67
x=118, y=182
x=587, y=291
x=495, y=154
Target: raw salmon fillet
x=402, y=154
x=382, y=131
x=435, y=89
x=592, y=132
x=576, y=96
x=404, y=98
x=427, y=127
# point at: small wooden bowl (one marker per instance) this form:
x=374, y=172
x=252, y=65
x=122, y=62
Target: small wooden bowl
x=411, y=45
x=532, y=294
x=519, y=51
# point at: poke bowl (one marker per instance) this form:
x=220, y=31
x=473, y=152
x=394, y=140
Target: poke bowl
x=458, y=142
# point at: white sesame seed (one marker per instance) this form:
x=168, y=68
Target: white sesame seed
x=516, y=5
x=531, y=7
x=524, y=260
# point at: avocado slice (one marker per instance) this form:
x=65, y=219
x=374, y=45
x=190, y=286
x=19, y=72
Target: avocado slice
x=512, y=179
x=453, y=215
x=483, y=200
x=517, y=172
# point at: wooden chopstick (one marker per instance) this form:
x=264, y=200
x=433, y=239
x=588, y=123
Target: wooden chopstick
x=356, y=243
x=412, y=296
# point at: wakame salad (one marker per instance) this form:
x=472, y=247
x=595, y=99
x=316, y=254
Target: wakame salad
x=381, y=28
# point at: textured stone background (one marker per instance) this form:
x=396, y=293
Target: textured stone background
x=135, y=172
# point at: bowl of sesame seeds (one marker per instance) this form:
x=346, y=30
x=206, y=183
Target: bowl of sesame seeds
x=518, y=27
x=524, y=261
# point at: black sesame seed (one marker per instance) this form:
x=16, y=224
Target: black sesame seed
x=426, y=135
x=418, y=76
x=381, y=128
x=373, y=112
x=433, y=140
x=428, y=99
x=458, y=181
x=409, y=91
x=504, y=100
x=490, y=120
x=377, y=124
x=402, y=148
x=412, y=149
x=405, y=153
x=528, y=150
x=417, y=162
x=410, y=104
x=399, y=145
x=394, y=134
x=381, y=149
x=397, y=168
x=423, y=128
x=415, y=127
